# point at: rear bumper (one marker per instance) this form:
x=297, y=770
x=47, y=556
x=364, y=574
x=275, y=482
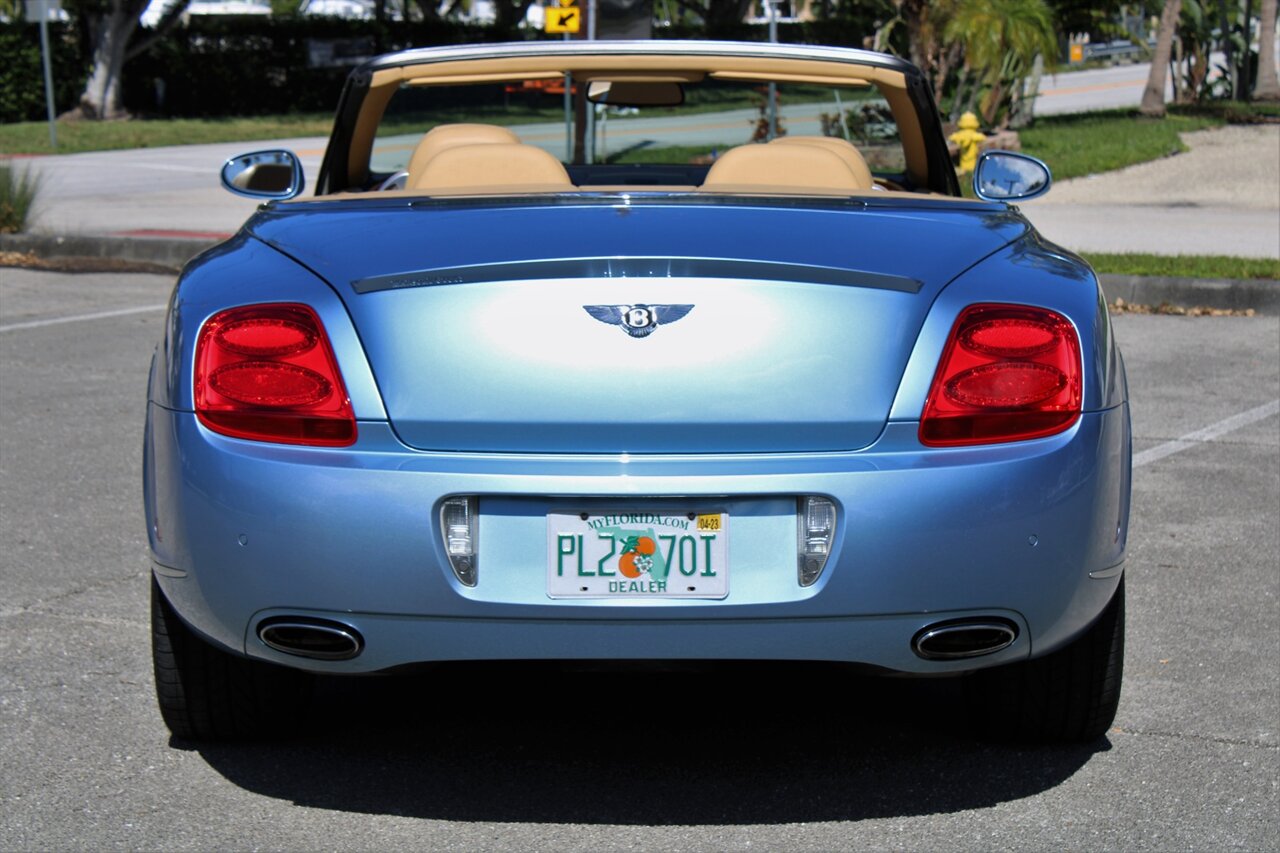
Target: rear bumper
x=241, y=532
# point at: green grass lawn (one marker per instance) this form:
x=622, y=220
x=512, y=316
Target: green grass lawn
x=666, y=154
x=1185, y=266
x=32, y=137
x=1089, y=143
x=1072, y=145
x=74, y=136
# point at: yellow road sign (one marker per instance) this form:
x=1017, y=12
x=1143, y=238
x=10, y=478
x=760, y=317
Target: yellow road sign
x=565, y=19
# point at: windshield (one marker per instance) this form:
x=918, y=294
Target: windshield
x=715, y=116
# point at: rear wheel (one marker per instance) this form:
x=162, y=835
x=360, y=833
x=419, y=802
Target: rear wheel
x=1069, y=695
x=206, y=693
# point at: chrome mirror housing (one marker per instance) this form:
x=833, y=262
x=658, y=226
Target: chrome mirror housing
x=270, y=175
x=1008, y=176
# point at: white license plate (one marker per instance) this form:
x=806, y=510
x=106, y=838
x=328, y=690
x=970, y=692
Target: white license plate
x=638, y=554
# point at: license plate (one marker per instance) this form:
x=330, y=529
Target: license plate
x=638, y=554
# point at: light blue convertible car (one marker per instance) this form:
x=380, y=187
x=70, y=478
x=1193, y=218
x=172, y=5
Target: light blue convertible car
x=637, y=351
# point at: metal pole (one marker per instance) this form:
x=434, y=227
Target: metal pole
x=844, y=125
x=568, y=111
x=773, y=87
x=604, y=136
x=48, y=72
x=590, y=146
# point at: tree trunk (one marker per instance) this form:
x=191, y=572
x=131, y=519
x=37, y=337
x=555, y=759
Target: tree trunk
x=509, y=13
x=990, y=109
x=1175, y=71
x=947, y=60
x=110, y=33
x=1153, y=95
x=1228, y=51
x=1268, y=86
x=430, y=10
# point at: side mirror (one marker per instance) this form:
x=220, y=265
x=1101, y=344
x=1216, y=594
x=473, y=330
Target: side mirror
x=1006, y=176
x=275, y=174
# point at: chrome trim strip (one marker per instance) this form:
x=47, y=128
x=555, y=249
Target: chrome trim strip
x=663, y=47
x=167, y=571
x=1109, y=572
x=642, y=267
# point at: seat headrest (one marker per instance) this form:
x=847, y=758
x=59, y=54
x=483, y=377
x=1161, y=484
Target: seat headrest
x=805, y=169
x=445, y=136
x=842, y=148
x=492, y=167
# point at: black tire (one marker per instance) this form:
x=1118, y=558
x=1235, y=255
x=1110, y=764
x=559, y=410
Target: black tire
x=209, y=694
x=1068, y=695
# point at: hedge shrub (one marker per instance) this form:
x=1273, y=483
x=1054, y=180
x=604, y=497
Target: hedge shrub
x=243, y=66
x=217, y=67
x=22, y=77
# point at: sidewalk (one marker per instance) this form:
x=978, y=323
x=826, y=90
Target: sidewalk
x=150, y=191
x=1220, y=198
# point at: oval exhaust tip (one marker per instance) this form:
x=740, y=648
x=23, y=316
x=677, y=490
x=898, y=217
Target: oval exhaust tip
x=319, y=639
x=964, y=639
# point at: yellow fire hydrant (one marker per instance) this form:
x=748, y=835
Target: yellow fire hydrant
x=969, y=138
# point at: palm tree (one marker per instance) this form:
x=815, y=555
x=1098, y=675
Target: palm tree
x=1001, y=40
x=1268, y=86
x=1153, y=95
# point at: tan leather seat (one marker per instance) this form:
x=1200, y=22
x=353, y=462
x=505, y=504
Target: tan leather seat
x=842, y=148
x=445, y=136
x=801, y=169
x=494, y=167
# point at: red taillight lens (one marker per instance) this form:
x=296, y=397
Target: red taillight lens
x=267, y=373
x=1007, y=373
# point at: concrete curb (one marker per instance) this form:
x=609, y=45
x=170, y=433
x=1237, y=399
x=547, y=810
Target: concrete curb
x=1263, y=296
x=169, y=251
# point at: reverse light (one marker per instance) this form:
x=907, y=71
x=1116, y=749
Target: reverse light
x=1007, y=373
x=815, y=531
x=458, y=526
x=267, y=373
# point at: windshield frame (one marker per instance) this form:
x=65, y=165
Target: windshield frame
x=369, y=88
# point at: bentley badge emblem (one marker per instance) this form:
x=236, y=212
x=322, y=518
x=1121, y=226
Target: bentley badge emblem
x=638, y=321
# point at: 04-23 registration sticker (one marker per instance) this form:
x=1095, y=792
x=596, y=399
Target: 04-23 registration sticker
x=638, y=554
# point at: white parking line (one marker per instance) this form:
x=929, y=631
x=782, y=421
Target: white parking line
x=1209, y=433
x=76, y=318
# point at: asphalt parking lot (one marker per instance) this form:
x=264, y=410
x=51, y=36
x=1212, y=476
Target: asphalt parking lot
x=514, y=758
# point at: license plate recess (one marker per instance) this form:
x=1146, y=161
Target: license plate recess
x=638, y=554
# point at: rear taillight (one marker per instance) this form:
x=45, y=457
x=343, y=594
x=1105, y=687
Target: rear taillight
x=267, y=373
x=1007, y=373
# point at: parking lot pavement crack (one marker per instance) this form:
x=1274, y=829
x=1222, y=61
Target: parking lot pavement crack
x=44, y=604
x=1225, y=741
x=89, y=619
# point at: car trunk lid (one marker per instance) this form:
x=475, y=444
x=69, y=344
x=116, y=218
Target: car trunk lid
x=623, y=327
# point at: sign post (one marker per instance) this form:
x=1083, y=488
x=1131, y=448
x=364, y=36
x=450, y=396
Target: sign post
x=591, y=109
x=567, y=19
x=41, y=10
x=773, y=87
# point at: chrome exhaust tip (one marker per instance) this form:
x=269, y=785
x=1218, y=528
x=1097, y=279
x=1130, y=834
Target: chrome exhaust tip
x=964, y=638
x=306, y=637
